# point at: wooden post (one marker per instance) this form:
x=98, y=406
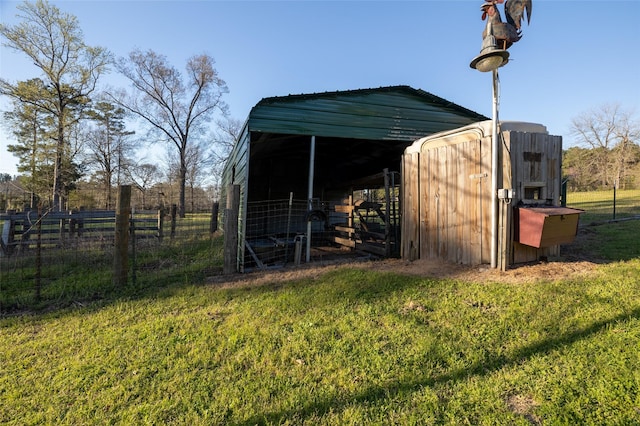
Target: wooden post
x=72, y=223
x=350, y=217
x=160, y=224
x=132, y=235
x=8, y=233
x=121, y=257
x=174, y=213
x=231, y=230
x=80, y=223
x=62, y=230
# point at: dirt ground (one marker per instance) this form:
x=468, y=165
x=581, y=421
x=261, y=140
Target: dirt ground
x=574, y=261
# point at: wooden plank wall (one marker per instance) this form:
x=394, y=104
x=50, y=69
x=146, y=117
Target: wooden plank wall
x=446, y=199
x=456, y=201
x=409, y=202
x=446, y=202
x=536, y=159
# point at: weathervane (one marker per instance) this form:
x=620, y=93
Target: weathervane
x=498, y=36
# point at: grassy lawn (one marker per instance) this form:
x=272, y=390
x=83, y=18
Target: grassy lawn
x=348, y=346
x=78, y=276
x=598, y=205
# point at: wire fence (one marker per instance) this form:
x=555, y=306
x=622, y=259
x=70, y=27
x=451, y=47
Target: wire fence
x=277, y=231
x=605, y=205
x=65, y=258
x=61, y=258
x=16, y=195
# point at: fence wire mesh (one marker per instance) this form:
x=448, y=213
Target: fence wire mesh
x=66, y=258
x=605, y=205
x=277, y=231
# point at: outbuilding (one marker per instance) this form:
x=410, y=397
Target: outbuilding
x=323, y=169
x=448, y=205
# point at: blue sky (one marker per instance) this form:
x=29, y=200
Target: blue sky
x=573, y=57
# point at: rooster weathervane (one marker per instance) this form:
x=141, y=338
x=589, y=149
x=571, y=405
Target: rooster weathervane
x=498, y=35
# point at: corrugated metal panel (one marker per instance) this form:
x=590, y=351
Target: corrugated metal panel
x=237, y=165
x=398, y=113
x=236, y=171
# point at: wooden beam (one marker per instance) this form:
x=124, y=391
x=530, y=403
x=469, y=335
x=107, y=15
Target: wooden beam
x=254, y=255
x=231, y=230
x=344, y=242
x=346, y=229
x=121, y=258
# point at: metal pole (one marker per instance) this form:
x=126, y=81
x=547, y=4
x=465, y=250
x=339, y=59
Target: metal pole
x=494, y=173
x=286, y=247
x=615, y=184
x=312, y=156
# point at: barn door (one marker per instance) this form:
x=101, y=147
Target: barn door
x=454, y=201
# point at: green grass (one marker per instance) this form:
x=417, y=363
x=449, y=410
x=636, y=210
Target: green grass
x=76, y=276
x=618, y=242
x=348, y=346
x=598, y=205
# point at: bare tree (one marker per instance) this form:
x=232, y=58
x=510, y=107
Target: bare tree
x=108, y=145
x=177, y=109
x=612, y=134
x=53, y=41
x=199, y=161
x=581, y=167
x=198, y=170
x=228, y=132
x=626, y=153
x=143, y=176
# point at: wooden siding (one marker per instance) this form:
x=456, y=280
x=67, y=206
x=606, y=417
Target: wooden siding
x=411, y=224
x=447, y=196
x=532, y=160
x=457, y=216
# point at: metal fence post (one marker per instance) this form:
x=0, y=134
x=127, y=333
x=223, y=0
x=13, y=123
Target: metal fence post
x=563, y=193
x=213, y=224
x=614, y=201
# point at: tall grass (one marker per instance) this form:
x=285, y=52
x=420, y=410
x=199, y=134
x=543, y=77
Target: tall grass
x=347, y=346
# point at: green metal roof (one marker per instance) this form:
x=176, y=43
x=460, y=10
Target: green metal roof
x=399, y=113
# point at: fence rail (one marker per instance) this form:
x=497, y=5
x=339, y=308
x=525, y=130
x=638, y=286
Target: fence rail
x=56, y=256
x=26, y=230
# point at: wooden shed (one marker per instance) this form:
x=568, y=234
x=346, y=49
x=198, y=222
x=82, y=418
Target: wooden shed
x=300, y=158
x=447, y=196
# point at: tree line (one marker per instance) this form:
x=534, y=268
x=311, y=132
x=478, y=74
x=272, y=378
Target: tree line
x=70, y=133
x=608, y=150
